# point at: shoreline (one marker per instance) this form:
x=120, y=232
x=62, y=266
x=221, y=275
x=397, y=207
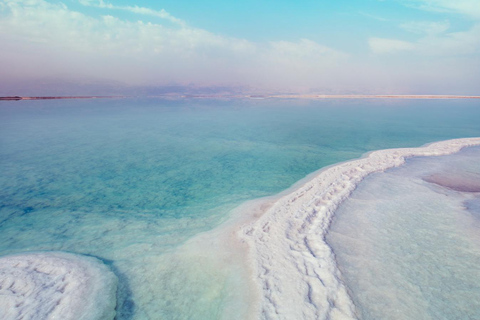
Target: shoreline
x=293, y=271
x=374, y=96
x=18, y=98
x=253, y=97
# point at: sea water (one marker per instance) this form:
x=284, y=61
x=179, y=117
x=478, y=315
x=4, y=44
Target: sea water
x=407, y=240
x=131, y=181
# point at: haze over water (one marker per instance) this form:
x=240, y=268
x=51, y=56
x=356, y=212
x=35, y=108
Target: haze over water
x=130, y=181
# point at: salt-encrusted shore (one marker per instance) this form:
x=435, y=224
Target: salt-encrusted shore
x=56, y=285
x=289, y=272
x=293, y=269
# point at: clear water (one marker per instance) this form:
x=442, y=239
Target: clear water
x=408, y=247
x=129, y=181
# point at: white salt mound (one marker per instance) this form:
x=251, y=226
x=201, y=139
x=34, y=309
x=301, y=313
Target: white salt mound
x=56, y=285
x=295, y=269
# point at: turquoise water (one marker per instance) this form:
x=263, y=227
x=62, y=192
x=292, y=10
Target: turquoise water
x=408, y=240
x=129, y=181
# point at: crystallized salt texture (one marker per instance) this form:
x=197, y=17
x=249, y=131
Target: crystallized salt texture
x=56, y=285
x=294, y=267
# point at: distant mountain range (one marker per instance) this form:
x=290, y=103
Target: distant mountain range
x=89, y=87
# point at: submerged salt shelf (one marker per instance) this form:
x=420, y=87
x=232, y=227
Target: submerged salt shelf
x=56, y=285
x=294, y=267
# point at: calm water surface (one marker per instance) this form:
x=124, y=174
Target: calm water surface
x=131, y=180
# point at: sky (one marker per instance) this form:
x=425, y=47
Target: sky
x=262, y=46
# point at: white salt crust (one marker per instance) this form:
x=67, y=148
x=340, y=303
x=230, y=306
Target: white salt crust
x=294, y=268
x=56, y=285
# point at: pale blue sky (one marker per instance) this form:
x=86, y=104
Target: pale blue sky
x=396, y=46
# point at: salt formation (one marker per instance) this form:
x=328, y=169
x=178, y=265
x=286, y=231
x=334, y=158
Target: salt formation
x=56, y=285
x=294, y=267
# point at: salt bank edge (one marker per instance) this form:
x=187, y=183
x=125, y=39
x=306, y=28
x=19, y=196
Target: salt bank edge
x=294, y=269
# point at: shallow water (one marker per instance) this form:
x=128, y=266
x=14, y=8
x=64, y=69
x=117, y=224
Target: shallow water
x=129, y=181
x=408, y=245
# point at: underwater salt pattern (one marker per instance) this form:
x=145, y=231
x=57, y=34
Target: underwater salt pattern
x=407, y=241
x=129, y=181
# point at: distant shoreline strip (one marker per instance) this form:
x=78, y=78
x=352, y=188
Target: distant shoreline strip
x=293, y=265
x=17, y=98
x=367, y=96
x=267, y=96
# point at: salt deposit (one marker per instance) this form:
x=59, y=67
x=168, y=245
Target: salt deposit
x=56, y=285
x=293, y=266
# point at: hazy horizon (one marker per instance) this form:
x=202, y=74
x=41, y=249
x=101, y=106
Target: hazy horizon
x=373, y=47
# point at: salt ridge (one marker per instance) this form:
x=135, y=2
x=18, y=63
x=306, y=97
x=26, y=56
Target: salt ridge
x=294, y=268
x=56, y=285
